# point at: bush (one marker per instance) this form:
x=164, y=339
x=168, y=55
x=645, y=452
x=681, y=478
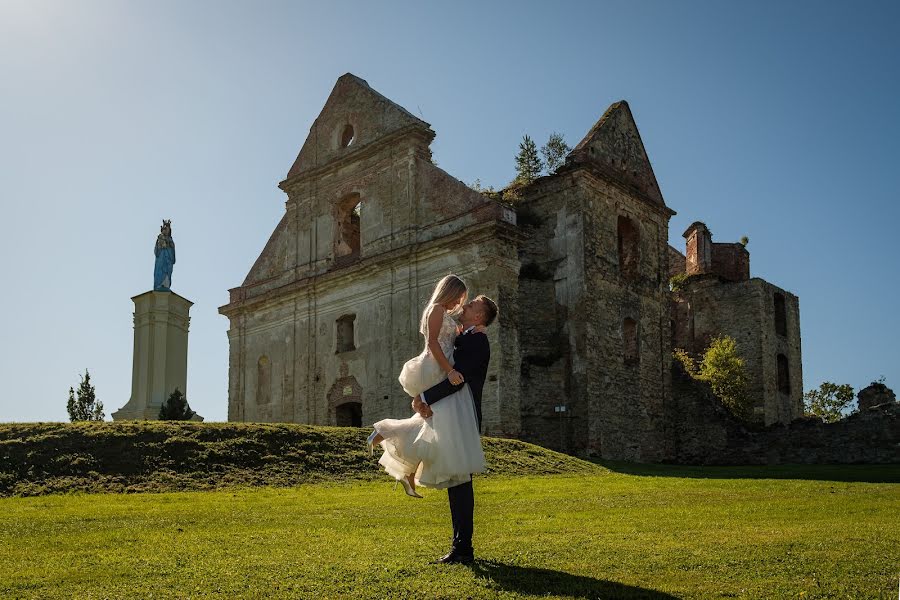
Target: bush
x=829, y=401
x=175, y=408
x=676, y=282
x=724, y=370
x=86, y=407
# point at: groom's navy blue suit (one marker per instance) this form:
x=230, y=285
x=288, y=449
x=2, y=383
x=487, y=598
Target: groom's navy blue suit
x=470, y=357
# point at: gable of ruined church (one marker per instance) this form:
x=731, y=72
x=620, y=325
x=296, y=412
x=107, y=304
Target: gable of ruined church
x=614, y=147
x=277, y=256
x=351, y=103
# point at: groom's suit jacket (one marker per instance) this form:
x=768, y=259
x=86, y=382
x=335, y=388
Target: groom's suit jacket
x=470, y=357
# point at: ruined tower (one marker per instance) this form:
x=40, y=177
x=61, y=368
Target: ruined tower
x=595, y=288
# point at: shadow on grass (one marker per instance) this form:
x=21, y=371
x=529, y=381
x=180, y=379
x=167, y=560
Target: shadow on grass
x=542, y=582
x=889, y=473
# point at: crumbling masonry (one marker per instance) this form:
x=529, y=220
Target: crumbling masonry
x=582, y=353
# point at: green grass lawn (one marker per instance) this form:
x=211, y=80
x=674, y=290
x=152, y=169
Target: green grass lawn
x=659, y=532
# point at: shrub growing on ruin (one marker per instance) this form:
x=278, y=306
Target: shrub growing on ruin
x=722, y=367
x=554, y=152
x=829, y=401
x=676, y=281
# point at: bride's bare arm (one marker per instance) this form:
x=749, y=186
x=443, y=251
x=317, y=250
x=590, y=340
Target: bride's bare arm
x=435, y=321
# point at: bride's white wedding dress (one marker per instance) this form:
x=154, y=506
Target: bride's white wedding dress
x=445, y=449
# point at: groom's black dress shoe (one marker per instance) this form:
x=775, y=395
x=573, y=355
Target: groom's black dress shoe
x=454, y=557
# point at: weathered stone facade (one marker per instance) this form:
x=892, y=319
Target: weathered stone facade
x=331, y=271
x=581, y=354
x=720, y=298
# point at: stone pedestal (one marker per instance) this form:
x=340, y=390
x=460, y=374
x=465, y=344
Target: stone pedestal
x=160, y=353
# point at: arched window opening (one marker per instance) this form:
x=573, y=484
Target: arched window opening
x=784, y=375
x=780, y=314
x=630, y=339
x=629, y=248
x=344, y=334
x=348, y=414
x=263, y=381
x=347, y=136
x=349, y=219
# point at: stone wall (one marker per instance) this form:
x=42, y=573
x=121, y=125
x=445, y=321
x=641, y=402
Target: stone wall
x=551, y=284
x=707, y=306
x=627, y=379
x=677, y=262
x=704, y=432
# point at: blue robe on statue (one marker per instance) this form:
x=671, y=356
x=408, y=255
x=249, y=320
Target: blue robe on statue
x=165, y=260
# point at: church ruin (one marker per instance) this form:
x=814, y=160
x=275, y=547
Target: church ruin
x=580, y=267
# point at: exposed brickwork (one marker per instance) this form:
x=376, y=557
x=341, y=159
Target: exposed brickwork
x=731, y=261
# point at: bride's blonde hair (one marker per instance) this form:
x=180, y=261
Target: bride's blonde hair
x=447, y=291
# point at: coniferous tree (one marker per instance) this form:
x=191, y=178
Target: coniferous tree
x=175, y=408
x=528, y=163
x=85, y=407
x=555, y=151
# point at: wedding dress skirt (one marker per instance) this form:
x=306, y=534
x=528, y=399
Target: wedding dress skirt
x=422, y=372
x=443, y=450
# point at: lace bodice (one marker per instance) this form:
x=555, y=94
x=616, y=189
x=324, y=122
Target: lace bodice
x=446, y=336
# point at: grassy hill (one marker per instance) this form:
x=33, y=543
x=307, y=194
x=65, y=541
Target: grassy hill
x=148, y=456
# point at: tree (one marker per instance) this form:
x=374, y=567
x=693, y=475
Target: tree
x=476, y=185
x=555, y=151
x=86, y=407
x=724, y=370
x=677, y=281
x=528, y=163
x=829, y=401
x=175, y=408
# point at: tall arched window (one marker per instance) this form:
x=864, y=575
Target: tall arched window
x=780, y=314
x=629, y=247
x=263, y=380
x=784, y=374
x=347, y=243
x=344, y=334
x=630, y=340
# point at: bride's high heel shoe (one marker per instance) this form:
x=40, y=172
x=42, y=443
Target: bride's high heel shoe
x=409, y=488
x=370, y=442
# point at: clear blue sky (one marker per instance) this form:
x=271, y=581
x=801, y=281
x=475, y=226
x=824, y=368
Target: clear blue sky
x=775, y=120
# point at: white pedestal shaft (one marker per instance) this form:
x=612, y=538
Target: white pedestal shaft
x=161, y=322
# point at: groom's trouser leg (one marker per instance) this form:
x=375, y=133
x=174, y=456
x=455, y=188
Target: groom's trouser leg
x=462, y=513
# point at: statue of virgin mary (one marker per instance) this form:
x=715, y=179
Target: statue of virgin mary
x=165, y=258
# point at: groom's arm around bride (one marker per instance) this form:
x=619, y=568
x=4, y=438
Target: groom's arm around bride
x=471, y=357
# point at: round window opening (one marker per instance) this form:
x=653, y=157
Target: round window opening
x=347, y=136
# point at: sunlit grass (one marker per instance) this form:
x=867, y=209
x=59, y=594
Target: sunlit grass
x=669, y=534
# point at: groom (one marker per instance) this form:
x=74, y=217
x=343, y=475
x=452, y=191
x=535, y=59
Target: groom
x=471, y=358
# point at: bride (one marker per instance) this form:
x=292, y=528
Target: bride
x=444, y=449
